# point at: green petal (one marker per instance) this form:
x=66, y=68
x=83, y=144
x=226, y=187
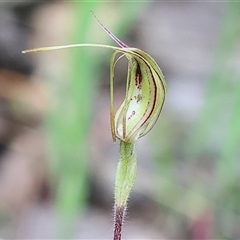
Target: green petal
x=145, y=95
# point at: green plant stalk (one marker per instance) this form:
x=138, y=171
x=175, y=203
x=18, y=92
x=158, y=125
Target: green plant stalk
x=125, y=177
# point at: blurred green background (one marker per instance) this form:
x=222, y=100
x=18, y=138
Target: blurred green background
x=57, y=161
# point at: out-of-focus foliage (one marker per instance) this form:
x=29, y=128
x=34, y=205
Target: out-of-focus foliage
x=209, y=197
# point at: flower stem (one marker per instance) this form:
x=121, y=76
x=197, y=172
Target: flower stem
x=118, y=222
x=125, y=176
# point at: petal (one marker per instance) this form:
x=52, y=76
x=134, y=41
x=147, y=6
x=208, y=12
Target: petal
x=145, y=94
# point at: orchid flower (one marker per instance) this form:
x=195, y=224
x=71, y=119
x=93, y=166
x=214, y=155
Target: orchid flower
x=138, y=113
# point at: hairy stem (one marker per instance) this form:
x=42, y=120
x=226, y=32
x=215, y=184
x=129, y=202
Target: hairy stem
x=118, y=222
x=125, y=176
